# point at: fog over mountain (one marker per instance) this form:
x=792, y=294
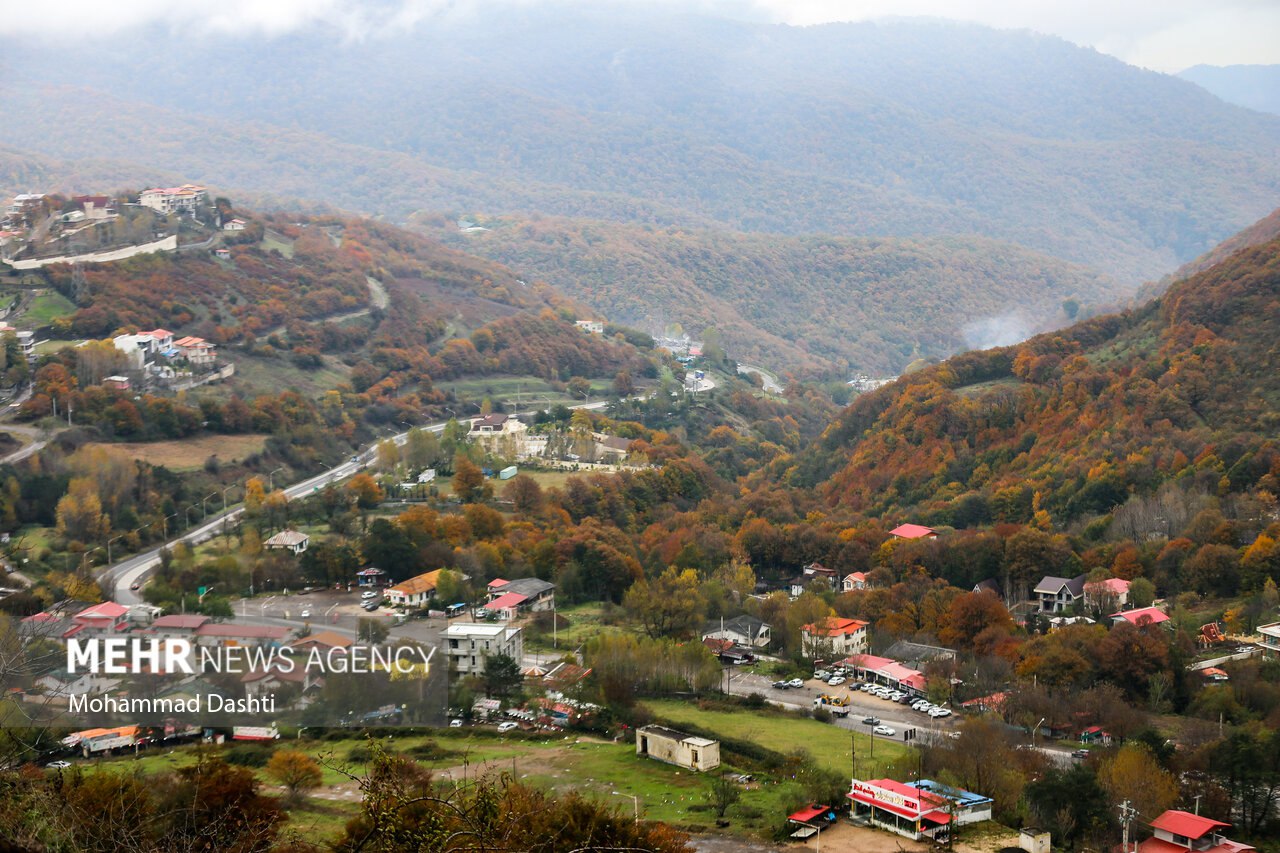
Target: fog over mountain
x=1254, y=86
x=913, y=129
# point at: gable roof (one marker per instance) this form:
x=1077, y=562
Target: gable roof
x=419, y=584
x=833, y=626
x=1052, y=585
x=1186, y=823
x=180, y=620
x=1142, y=616
x=912, y=531
x=507, y=599
x=105, y=610
x=494, y=420
x=528, y=587
x=324, y=638
x=287, y=538
x=1114, y=585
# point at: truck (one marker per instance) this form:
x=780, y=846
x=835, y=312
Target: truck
x=837, y=705
x=92, y=742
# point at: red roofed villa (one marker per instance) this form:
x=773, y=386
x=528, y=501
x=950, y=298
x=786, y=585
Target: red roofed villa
x=913, y=531
x=1141, y=617
x=1179, y=832
x=833, y=637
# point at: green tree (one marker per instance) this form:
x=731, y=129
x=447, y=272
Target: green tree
x=502, y=676
x=371, y=630
x=669, y=606
x=722, y=793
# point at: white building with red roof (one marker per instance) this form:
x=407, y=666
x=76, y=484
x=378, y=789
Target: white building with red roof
x=900, y=808
x=913, y=531
x=1107, y=595
x=105, y=618
x=854, y=580
x=833, y=637
x=1179, y=832
x=169, y=200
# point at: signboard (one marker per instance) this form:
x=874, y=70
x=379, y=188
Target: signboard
x=254, y=733
x=880, y=795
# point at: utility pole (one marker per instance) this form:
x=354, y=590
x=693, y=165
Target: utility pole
x=1198, y=796
x=1127, y=814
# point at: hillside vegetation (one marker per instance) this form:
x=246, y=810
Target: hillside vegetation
x=801, y=303
x=1072, y=423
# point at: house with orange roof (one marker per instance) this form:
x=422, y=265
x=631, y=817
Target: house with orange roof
x=913, y=531
x=833, y=637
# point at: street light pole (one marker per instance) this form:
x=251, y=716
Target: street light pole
x=204, y=507
x=635, y=802
x=271, y=479
x=109, y=541
x=224, y=496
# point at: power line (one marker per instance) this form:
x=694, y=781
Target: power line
x=1127, y=814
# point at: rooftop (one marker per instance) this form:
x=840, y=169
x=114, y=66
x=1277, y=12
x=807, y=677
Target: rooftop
x=190, y=621
x=834, y=626
x=1142, y=616
x=419, y=584
x=1186, y=823
x=912, y=531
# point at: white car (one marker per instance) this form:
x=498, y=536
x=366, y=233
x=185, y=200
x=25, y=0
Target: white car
x=921, y=706
x=939, y=712
x=796, y=682
x=58, y=765
x=507, y=726
x=305, y=614
x=884, y=730
x=455, y=724
x=836, y=680
x=369, y=593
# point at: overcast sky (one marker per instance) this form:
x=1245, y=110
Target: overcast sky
x=1165, y=35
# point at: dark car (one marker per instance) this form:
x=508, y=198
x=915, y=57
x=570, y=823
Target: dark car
x=780, y=685
x=1080, y=753
x=871, y=721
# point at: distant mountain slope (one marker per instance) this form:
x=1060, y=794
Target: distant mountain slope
x=1263, y=231
x=891, y=129
x=799, y=303
x=1073, y=422
x=1254, y=86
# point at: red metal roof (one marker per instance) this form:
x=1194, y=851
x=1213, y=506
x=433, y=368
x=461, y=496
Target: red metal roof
x=1186, y=823
x=911, y=531
x=807, y=814
x=105, y=610
x=835, y=627
x=511, y=599
x=1145, y=615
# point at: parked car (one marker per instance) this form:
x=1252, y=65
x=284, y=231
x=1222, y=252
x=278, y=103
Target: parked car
x=781, y=685
x=796, y=682
x=883, y=730
x=370, y=606
x=507, y=726
x=58, y=765
x=370, y=593
x=922, y=705
x=822, y=674
x=871, y=721
x=896, y=695
x=455, y=724
x=305, y=614
x=1080, y=753
x=939, y=712
x=905, y=700
x=836, y=680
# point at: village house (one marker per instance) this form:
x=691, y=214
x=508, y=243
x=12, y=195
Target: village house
x=594, y=327
x=913, y=531
x=26, y=340
x=678, y=748
x=742, y=630
x=470, y=645
x=116, y=383
x=852, y=581
x=105, y=618
x=531, y=594
x=833, y=637
x=95, y=207
x=611, y=448
x=288, y=540
x=1057, y=595
x=1141, y=617
x=183, y=199
x=886, y=671
x=814, y=572
x=259, y=684
x=1183, y=832
x=233, y=225
x=1108, y=595
x=178, y=624
x=325, y=641
x=416, y=591
x=197, y=351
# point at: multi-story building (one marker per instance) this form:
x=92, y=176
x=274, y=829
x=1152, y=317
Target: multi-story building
x=169, y=200
x=470, y=645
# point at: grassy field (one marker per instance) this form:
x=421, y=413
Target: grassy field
x=561, y=763
x=47, y=307
x=531, y=391
x=828, y=744
x=585, y=621
x=256, y=375
x=272, y=240
x=53, y=345
x=190, y=454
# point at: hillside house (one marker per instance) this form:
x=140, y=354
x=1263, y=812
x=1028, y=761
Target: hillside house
x=1057, y=595
x=678, y=748
x=1108, y=595
x=288, y=540
x=167, y=200
x=833, y=638
x=416, y=591
x=95, y=207
x=105, y=618
x=1141, y=617
x=196, y=351
x=852, y=581
x=231, y=634
x=611, y=448
x=913, y=531
x=116, y=383
x=1183, y=832
x=814, y=572
x=594, y=327
x=1269, y=638
x=534, y=594
x=233, y=225
x=742, y=630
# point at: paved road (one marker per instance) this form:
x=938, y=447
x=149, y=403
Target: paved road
x=768, y=381
x=122, y=575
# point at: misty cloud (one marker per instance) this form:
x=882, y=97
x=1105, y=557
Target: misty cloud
x=1002, y=331
x=1166, y=35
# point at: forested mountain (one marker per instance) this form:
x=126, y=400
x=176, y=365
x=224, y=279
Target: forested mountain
x=801, y=303
x=1184, y=390
x=1254, y=86
x=887, y=129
